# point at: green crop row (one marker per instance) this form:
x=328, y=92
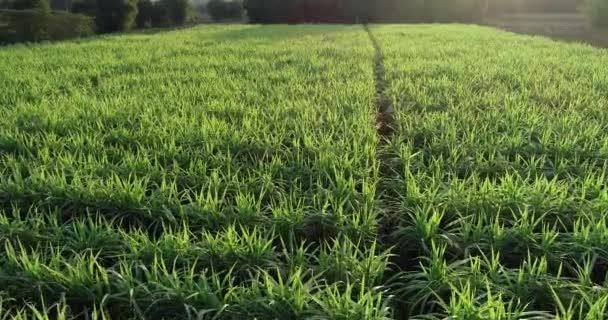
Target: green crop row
x=189, y=174
x=498, y=200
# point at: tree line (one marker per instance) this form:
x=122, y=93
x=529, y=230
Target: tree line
x=33, y=20
x=352, y=11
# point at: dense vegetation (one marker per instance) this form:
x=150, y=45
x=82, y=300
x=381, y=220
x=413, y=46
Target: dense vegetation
x=165, y=13
x=115, y=15
x=40, y=5
x=122, y=15
x=33, y=20
x=225, y=10
x=350, y=11
x=499, y=160
x=36, y=25
x=161, y=176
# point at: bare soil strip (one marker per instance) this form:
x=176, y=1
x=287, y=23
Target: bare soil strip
x=385, y=111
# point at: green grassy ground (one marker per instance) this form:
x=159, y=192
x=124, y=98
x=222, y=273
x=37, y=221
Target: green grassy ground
x=499, y=155
x=236, y=172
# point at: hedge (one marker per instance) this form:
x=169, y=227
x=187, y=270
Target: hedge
x=225, y=9
x=34, y=25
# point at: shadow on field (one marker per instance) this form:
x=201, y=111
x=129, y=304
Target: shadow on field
x=232, y=32
x=280, y=31
x=596, y=38
x=568, y=27
x=105, y=36
x=150, y=31
x=161, y=30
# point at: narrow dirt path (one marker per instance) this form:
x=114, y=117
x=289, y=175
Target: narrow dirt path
x=385, y=127
x=385, y=130
x=391, y=215
x=384, y=120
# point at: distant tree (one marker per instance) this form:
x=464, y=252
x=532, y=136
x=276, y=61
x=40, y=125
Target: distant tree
x=86, y=7
x=145, y=14
x=357, y=11
x=33, y=19
x=225, y=9
x=259, y=11
x=115, y=15
x=33, y=25
x=397, y=11
x=64, y=5
x=39, y=5
x=178, y=11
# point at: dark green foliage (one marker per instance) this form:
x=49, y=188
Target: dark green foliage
x=24, y=25
x=40, y=5
x=63, y=5
x=354, y=11
x=178, y=11
x=222, y=9
x=163, y=13
x=87, y=7
x=115, y=15
x=295, y=11
x=597, y=11
x=145, y=14
x=33, y=25
x=66, y=25
x=258, y=11
x=161, y=16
